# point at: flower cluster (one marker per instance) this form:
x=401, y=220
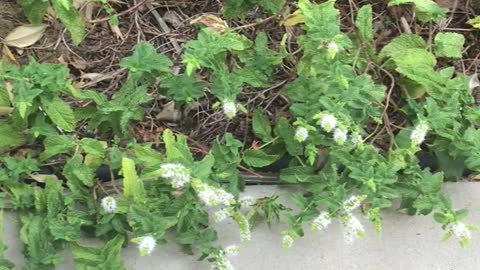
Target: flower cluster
x=353, y=202
x=221, y=261
x=109, y=204
x=178, y=174
x=461, y=231
x=328, y=122
x=146, y=244
x=244, y=226
x=247, y=201
x=332, y=49
x=229, y=108
x=222, y=214
x=352, y=228
x=419, y=133
x=340, y=136
x=321, y=221
x=301, y=134
x=287, y=241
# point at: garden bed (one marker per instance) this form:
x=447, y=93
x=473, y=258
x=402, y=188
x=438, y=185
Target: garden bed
x=143, y=122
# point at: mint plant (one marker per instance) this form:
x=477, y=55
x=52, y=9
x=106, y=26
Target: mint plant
x=338, y=143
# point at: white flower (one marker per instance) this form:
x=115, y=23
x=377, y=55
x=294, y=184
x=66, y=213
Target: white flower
x=328, y=122
x=109, y=204
x=209, y=197
x=176, y=173
x=248, y=201
x=340, y=136
x=146, y=245
x=419, y=133
x=229, y=108
x=357, y=139
x=322, y=221
x=232, y=250
x=353, y=202
x=287, y=241
x=212, y=196
x=352, y=228
x=221, y=262
x=221, y=215
x=301, y=134
x=460, y=230
x=332, y=48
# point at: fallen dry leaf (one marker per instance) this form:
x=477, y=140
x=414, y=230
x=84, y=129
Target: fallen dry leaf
x=9, y=54
x=5, y=111
x=41, y=178
x=169, y=113
x=25, y=35
x=211, y=21
x=116, y=30
x=294, y=19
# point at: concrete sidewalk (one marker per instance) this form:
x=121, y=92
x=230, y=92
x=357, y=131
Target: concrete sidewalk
x=408, y=243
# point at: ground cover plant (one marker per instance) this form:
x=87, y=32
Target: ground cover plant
x=133, y=138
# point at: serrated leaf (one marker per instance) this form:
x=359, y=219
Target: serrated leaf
x=449, y=45
x=75, y=170
x=287, y=133
x=427, y=10
x=399, y=44
x=364, y=23
x=108, y=257
x=184, y=88
x=25, y=35
x=59, y=112
x=72, y=20
x=177, y=148
x=58, y=144
x=261, y=126
x=146, y=59
x=132, y=186
x=93, y=147
x=35, y=10
x=9, y=136
x=258, y=158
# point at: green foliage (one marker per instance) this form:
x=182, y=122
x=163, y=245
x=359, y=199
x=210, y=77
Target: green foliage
x=449, y=45
x=108, y=257
x=35, y=10
x=426, y=10
x=235, y=9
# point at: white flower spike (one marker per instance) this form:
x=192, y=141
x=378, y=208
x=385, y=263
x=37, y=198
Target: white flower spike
x=328, y=122
x=287, y=242
x=461, y=231
x=352, y=228
x=232, y=250
x=301, y=134
x=146, y=245
x=322, y=221
x=109, y=204
x=353, y=202
x=333, y=49
x=178, y=174
x=419, y=133
x=229, y=108
x=340, y=136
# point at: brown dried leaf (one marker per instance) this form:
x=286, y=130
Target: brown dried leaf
x=294, y=19
x=25, y=35
x=211, y=21
x=41, y=178
x=169, y=113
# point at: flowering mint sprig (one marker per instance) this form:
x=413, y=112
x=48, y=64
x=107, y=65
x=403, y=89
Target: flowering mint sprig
x=327, y=121
x=353, y=202
x=109, y=204
x=288, y=239
x=419, y=133
x=332, y=49
x=461, y=231
x=244, y=226
x=352, y=228
x=220, y=259
x=178, y=174
x=222, y=214
x=340, y=136
x=146, y=244
x=212, y=196
x=229, y=108
x=321, y=221
x=301, y=134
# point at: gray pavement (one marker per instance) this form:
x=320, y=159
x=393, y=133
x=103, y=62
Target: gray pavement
x=408, y=243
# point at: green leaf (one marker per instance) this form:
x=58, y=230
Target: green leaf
x=132, y=186
x=76, y=171
x=475, y=22
x=272, y=6
x=59, y=112
x=92, y=147
x=364, y=23
x=427, y=10
x=202, y=169
x=34, y=10
x=10, y=136
x=449, y=45
x=72, y=20
x=177, y=148
x=258, y=158
x=261, y=126
x=145, y=59
x=184, y=88
x=287, y=133
x=55, y=145
x=108, y=257
x=398, y=45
